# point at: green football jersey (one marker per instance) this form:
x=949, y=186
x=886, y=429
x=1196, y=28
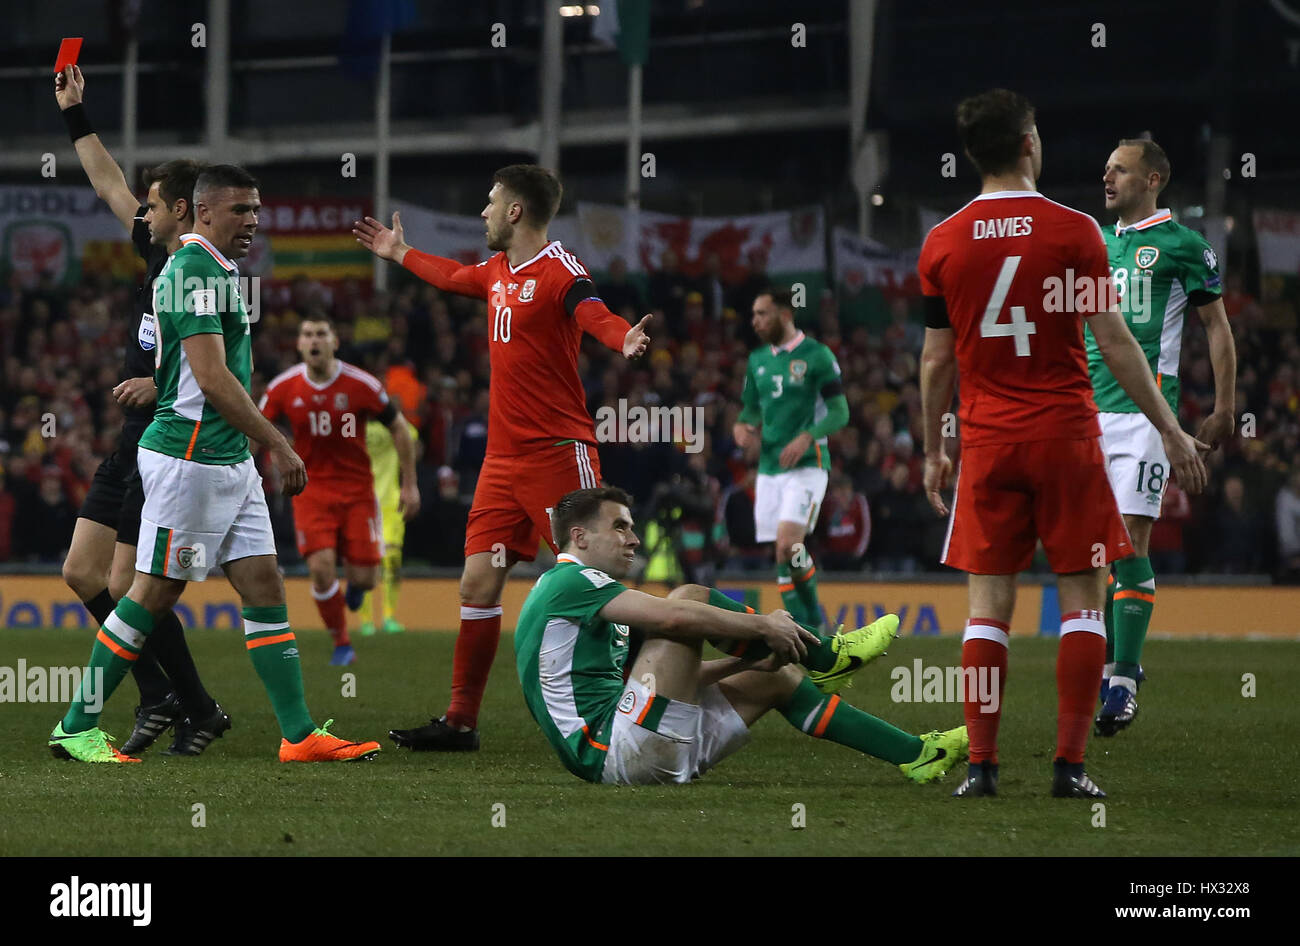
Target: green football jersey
x=1158, y=267
x=197, y=292
x=570, y=662
x=788, y=388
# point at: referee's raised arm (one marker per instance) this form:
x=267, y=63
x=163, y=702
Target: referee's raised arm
x=104, y=173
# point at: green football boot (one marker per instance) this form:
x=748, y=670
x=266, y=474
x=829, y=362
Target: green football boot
x=854, y=651
x=940, y=751
x=90, y=746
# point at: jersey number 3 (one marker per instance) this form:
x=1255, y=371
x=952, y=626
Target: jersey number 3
x=1019, y=327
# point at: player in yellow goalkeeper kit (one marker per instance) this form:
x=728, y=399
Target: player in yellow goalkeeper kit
x=385, y=467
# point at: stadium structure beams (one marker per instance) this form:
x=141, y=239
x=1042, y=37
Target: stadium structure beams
x=580, y=129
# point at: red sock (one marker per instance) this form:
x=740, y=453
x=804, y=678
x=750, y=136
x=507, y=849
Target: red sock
x=476, y=646
x=1079, y=661
x=333, y=612
x=984, y=647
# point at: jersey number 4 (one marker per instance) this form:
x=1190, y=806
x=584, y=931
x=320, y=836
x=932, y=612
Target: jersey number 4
x=1019, y=327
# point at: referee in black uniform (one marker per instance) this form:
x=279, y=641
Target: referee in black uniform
x=101, y=561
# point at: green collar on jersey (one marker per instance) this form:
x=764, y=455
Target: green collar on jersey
x=1157, y=218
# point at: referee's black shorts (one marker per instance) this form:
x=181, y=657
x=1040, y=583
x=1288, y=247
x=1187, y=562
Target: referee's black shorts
x=116, y=495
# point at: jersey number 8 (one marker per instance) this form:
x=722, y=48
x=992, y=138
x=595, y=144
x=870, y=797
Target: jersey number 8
x=1019, y=327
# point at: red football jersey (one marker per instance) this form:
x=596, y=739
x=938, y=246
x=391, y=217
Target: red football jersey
x=1001, y=263
x=536, y=394
x=329, y=425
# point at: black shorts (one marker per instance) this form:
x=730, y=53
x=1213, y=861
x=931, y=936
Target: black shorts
x=116, y=495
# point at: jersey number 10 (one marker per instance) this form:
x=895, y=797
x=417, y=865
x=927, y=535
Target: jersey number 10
x=1019, y=327
x=501, y=324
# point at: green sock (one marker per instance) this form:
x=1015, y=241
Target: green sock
x=1135, y=598
x=820, y=656
x=274, y=652
x=790, y=599
x=829, y=717
x=1110, y=620
x=805, y=586
x=117, y=645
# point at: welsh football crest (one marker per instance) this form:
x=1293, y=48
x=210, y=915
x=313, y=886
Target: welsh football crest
x=526, y=293
x=1146, y=256
x=340, y=402
x=798, y=368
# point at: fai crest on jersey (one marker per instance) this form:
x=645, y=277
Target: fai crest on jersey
x=798, y=369
x=340, y=402
x=526, y=293
x=628, y=703
x=1211, y=260
x=188, y=556
x=1146, y=256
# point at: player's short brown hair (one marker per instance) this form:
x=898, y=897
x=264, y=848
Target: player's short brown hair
x=322, y=317
x=580, y=508
x=991, y=126
x=536, y=187
x=175, y=179
x=1153, y=157
x=219, y=176
x=781, y=298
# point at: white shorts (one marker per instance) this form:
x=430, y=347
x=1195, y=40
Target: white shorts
x=659, y=741
x=793, y=496
x=197, y=515
x=1135, y=462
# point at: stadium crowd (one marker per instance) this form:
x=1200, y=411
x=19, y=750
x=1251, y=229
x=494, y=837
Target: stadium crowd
x=61, y=355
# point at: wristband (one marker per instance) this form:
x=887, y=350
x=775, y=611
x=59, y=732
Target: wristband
x=78, y=124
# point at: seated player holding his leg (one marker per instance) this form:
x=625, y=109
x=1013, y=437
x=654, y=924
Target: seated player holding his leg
x=677, y=716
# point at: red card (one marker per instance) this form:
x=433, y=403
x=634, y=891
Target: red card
x=69, y=49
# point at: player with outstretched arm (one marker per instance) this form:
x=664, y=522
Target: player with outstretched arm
x=101, y=559
x=541, y=440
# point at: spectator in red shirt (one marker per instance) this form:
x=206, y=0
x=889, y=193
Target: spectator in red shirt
x=845, y=526
x=1166, y=544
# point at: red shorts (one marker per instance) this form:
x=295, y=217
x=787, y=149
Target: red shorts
x=1011, y=495
x=352, y=526
x=514, y=497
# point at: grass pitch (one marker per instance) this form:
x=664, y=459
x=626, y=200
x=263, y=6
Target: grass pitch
x=1204, y=771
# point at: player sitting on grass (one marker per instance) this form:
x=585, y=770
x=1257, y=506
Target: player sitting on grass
x=677, y=716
